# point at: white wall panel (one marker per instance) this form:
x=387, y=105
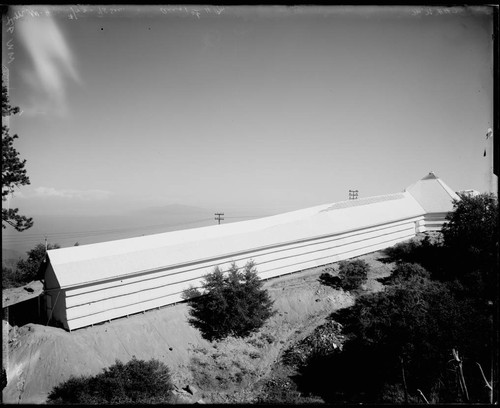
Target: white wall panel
x=435, y=221
x=120, y=312
x=195, y=276
x=137, y=296
x=214, y=262
x=96, y=292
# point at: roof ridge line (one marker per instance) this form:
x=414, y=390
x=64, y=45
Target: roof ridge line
x=366, y=198
x=441, y=183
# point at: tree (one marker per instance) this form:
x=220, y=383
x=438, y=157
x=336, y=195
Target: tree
x=471, y=239
x=13, y=170
x=230, y=304
x=472, y=227
x=136, y=382
x=28, y=270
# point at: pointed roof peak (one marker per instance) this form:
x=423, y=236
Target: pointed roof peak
x=430, y=176
x=433, y=194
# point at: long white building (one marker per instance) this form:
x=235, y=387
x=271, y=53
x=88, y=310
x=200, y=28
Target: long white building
x=93, y=283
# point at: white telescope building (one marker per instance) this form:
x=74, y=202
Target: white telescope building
x=88, y=284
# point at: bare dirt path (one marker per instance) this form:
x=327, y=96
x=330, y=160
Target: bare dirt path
x=41, y=357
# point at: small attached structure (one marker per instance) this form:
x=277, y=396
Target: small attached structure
x=93, y=283
x=22, y=305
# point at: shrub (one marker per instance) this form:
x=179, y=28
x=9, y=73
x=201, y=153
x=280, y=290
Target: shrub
x=137, y=382
x=353, y=274
x=329, y=280
x=428, y=252
x=403, y=251
x=232, y=304
x=404, y=271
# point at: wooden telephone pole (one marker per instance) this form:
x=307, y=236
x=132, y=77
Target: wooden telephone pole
x=218, y=217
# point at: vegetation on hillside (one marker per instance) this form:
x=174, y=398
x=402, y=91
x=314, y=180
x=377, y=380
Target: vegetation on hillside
x=136, y=382
x=351, y=275
x=230, y=304
x=467, y=252
x=26, y=270
x=429, y=336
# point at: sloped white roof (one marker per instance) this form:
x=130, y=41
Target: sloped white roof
x=433, y=194
x=80, y=265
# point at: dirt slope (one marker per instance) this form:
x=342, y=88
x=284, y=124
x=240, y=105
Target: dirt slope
x=41, y=357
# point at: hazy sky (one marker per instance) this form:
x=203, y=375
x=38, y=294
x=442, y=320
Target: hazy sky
x=244, y=109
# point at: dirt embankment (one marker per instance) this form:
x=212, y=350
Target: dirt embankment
x=41, y=357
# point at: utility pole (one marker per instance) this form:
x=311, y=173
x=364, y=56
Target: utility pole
x=218, y=217
x=45, y=243
x=353, y=194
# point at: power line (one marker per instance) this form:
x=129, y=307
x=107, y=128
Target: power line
x=105, y=231
x=63, y=235
x=59, y=234
x=85, y=234
x=68, y=236
x=98, y=231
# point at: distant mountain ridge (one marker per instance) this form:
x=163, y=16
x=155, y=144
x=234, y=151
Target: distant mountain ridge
x=67, y=229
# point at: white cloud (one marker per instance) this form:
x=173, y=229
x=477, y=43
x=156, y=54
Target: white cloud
x=52, y=63
x=73, y=194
